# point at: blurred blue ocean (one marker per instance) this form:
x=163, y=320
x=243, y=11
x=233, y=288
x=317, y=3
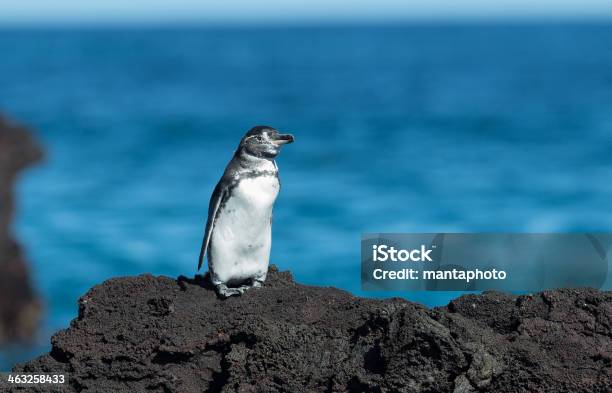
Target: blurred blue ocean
x=398, y=129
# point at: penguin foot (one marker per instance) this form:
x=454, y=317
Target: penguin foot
x=257, y=284
x=225, y=291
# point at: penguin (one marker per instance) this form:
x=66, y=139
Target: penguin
x=238, y=233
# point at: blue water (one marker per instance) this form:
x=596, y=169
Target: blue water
x=415, y=128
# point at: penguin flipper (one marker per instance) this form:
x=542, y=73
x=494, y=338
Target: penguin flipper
x=213, y=207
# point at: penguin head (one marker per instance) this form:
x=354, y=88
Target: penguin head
x=264, y=142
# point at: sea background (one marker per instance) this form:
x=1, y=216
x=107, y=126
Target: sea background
x=425, y=127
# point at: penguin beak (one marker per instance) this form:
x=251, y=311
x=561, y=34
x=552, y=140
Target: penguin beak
x=283, y=139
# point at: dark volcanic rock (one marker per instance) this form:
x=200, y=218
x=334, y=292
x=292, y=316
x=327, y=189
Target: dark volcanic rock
x=158, y=334
x=19, y=307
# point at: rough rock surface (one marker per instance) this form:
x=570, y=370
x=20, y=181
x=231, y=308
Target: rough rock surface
x=158, y=334
x=19, y=307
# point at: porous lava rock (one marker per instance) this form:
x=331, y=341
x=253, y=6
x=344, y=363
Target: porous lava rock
x=159, y=334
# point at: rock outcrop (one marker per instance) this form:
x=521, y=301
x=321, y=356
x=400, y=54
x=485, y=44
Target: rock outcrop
x=19, y=306
x=158, y=334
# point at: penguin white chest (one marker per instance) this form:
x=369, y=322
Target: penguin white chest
x=257, y=192
x=241, y=239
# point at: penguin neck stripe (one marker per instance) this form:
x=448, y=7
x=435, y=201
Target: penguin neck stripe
x=245, y=155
